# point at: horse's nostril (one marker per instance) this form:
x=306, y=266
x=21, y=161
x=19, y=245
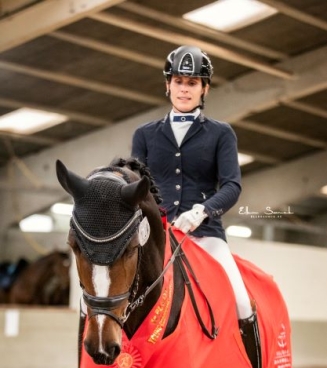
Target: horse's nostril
x=106, y=357
x=114, y=351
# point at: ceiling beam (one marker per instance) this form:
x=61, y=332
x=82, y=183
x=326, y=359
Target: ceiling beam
x=179, y=39
x=81, y=155
x=301, y=106
x=72, y=115
x=231, y=102
x=213, y=34
x=87, y=84
x=294, y=13
x=265, y=159
x=279, y=133
x=44, y=17
x=43, y=141
x=255, y=92
x=120, y=52
x=9, y=7
x=280, y=186
x=106, y=48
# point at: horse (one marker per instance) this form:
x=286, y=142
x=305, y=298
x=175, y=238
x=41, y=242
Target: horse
x=8, y=275
x=150, y=296
x=43, y=282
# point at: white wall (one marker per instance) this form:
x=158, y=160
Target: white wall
x=300, y=271
x=301, y=274
x=309, y=344
x=16, y=244
x=47, y=338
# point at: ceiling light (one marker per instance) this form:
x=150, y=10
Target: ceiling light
x=29, y=121
x=244, y=159
x=36, y=224
x=62, y=209
x=323, y=190
x=229, y=15
x=239, y=231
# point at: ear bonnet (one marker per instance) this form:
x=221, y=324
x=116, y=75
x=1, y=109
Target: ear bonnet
x=102, y=221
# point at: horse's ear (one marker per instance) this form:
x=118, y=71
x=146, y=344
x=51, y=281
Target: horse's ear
x=73, y=184
x=136, y=192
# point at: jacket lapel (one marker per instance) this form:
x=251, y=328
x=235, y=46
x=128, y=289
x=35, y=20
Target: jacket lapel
x=194, y=128
x=168, y=132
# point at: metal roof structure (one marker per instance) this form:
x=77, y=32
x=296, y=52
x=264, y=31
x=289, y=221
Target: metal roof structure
x=100, y=64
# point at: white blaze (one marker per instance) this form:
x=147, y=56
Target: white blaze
x=101, y=284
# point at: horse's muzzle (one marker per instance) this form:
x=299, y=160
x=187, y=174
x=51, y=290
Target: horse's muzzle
x=105, y=358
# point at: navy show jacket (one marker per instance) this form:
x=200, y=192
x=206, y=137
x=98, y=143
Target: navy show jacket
x=204, y=169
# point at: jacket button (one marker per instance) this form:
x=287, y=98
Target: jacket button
x=178, y=187
x=176, y=203
x=218, y=212
x=177, y=171
x=177, y=154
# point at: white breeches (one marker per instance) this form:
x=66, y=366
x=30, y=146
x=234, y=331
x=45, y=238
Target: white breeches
x=219, y=250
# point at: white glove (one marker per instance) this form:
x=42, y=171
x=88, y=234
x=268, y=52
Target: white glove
x=190, y=220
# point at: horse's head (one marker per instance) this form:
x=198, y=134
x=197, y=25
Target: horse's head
x=108, y=229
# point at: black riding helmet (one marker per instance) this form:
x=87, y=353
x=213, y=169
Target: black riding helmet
x=188, y=61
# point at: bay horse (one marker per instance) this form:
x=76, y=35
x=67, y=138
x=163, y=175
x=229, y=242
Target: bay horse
x=43, y=282
x=151, y=297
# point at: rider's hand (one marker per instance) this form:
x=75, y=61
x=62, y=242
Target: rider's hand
x=190, y=220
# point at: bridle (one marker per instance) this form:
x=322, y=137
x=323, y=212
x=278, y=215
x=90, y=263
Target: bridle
x=106, y=305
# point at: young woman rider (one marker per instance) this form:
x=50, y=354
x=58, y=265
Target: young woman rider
x=194, y=162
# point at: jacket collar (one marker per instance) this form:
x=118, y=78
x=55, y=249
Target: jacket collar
x=196, y=126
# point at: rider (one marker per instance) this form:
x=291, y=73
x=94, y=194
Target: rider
x=190, y=156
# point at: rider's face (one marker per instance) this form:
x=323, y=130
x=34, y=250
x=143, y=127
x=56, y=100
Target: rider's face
x=185, y=92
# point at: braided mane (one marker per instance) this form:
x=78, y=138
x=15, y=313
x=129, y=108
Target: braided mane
x=137, y=166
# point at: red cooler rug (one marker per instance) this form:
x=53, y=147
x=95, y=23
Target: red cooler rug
x=188, y=347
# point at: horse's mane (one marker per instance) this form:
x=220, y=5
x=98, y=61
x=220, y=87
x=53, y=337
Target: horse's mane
x=137, y=166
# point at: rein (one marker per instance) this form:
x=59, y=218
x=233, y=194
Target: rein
x=140, y=300
x=104, y=305
x=181, y=260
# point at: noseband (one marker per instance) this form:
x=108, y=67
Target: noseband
x=104, y=305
